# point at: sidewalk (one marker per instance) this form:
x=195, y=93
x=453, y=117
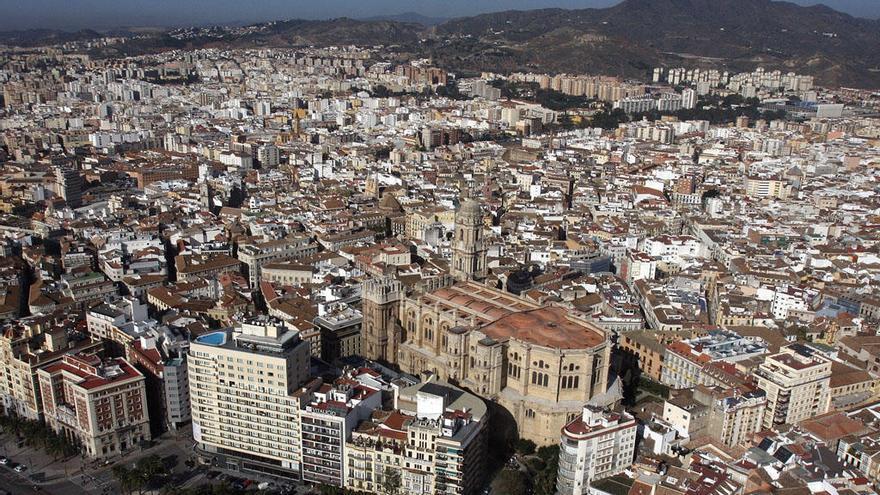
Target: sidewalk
x=43, y=469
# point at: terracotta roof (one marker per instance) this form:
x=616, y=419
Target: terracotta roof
x=550, y=327
x=832, y=427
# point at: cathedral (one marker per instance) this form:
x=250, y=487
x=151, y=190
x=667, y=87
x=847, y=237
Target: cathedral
x=468, y=250
x=540, y=363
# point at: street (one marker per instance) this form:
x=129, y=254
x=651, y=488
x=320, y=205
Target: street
x=75, y=476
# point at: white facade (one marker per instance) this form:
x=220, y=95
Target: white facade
x=597, y=445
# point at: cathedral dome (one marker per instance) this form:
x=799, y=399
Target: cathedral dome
x=389, y=203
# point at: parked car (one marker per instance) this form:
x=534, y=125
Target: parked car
x=4, y=460
x=20, y=468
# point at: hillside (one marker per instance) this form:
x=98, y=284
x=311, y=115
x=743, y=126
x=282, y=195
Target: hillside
x=739, y=34
x=39, y=37
x=627, y=39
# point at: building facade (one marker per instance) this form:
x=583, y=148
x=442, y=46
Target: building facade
x=102, y=404
x=381, y=330
x=435, y=442
x=797, y=383
x=244, y=413
x=468, y=249
x=540, y=363
x=597, y=445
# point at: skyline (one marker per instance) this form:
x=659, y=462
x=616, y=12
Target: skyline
x=107, y=14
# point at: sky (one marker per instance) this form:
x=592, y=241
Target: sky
x=72, y=15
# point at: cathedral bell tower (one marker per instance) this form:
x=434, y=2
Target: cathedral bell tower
x=380, y=333
x=468, y=248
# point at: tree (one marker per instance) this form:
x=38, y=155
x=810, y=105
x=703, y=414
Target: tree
x=525, y=446
x=39, y=435
x=330, y=490
x=391, y=481
x=609, y=119
x=381, y=91
x=545, y=480
x=149, y=469
x=510, y=482
x=125, y=477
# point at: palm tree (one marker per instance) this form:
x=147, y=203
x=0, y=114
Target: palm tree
x=124, y=476
x=149, y=468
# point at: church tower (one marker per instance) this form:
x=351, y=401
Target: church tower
x=381, y=305
x=468, y=250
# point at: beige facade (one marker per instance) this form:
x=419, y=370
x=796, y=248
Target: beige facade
x=242, y=387
x=757, y=187
x=797, y=383
x=256, y=254
x=734, y=418
x=287, y=273
x=540, y=363
x=438, y=447
x=25, y=346
x=380, y=331
x=645, y=348
x=420, y=220
x=468, y=250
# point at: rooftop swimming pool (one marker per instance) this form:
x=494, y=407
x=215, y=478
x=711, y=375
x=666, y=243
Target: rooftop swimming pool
x=213, y=338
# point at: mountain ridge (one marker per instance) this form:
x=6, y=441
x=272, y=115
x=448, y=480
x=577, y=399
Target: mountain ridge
x=738, y=34
x=627, y=39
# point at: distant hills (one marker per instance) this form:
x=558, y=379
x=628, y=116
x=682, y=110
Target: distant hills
x=411, y=17
x=636, y=34
x=627, y=39
x=38, y=37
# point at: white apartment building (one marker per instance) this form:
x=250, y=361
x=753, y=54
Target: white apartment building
x=597, y=445
x=684, y=360
x=673, y=249
x=242, y=385
x=326, y=425
x=639, y=265
x=734, y=417
x=106, y=320
x=268, y=155
x=788, y=299
x=236, y=159
x=796, y=381
x=255, y=254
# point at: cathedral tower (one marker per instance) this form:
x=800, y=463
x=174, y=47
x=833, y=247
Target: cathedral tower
x=379, y=333
x=468, y=249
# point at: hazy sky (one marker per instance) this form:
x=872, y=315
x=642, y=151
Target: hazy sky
x=77, y=14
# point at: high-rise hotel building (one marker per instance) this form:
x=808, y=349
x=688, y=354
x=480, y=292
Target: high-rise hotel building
x=242, y=384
